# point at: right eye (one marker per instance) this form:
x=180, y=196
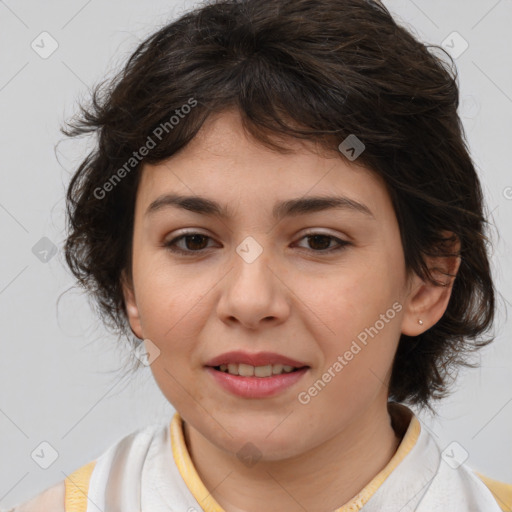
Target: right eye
x=194, y=243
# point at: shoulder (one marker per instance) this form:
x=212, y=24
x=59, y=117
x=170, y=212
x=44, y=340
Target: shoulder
x=459, y=489
x=134, y=447
x=501, y=491
x=52, y=499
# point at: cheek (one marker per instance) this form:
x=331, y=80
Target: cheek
x=169, y=300
x=359, y=314
x=172, y=316
x=348, y=299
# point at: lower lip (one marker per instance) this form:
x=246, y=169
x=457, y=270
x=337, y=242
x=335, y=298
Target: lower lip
x=256, y=387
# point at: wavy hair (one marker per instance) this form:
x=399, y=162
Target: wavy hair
x=310, y=69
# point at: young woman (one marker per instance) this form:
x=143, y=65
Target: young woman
x=282, y=209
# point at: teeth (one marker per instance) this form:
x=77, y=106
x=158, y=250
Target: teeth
x=246, y=370
x=277, y=369
x=263, y=371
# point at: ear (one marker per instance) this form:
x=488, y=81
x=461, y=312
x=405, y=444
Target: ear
x=132, y=309
x=426, y=301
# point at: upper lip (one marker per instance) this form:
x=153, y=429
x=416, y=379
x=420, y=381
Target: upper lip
x=256, y=359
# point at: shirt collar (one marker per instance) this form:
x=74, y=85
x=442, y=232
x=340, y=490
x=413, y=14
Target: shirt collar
x=403, y=420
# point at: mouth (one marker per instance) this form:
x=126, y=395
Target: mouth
x=266, y=371
x=255, y=375
x=251, y=382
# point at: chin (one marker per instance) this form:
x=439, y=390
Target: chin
x=257, y=444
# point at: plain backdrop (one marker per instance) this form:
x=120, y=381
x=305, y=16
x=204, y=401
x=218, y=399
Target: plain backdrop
x=57, y=364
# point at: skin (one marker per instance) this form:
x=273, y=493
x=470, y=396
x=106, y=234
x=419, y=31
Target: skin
x=294, y=299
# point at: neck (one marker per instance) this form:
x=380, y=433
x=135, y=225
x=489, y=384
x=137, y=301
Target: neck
x=321, y=479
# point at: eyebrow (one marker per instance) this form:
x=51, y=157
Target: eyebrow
x=288, y=208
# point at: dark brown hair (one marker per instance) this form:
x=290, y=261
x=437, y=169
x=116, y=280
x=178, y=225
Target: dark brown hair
x=319, y=70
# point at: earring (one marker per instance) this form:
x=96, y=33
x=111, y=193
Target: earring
x=420, y=322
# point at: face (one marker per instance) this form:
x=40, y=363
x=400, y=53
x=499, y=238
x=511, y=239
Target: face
x=310, y=284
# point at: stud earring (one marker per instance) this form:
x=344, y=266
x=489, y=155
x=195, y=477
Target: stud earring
x=420, y=322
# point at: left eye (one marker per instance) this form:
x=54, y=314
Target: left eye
x=195, y=242
x=322, y=242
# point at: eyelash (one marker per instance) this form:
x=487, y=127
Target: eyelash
x=171, y=244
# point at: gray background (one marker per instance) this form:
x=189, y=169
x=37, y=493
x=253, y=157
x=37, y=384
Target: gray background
x=57, y=364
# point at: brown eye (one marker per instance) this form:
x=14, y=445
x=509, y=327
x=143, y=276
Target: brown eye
x=193, y=242
x=320, y=242
x=196, y=242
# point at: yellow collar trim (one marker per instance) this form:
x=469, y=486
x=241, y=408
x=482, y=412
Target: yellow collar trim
x=77, y=488
x=187, y=469
x=409, y=440
x=209, y=504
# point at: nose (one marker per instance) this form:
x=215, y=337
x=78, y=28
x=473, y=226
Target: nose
x=254, y=294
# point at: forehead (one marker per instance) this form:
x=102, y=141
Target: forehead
x=227, y=165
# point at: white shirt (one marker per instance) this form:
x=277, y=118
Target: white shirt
x=151, y=470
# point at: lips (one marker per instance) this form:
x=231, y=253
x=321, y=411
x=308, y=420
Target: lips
x=255, y=359
x=256, y=387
